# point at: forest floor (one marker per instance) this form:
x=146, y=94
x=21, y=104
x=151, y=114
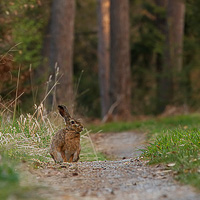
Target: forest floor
x=125, y=177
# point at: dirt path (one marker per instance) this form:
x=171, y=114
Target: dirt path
x=121, y=179
x=119, y=145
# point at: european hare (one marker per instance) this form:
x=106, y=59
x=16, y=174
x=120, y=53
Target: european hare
x=65, y=146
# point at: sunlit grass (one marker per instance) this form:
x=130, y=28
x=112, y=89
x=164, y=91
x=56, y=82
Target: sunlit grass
x=29, y=137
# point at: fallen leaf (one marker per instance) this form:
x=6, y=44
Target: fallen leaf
x=171, y=164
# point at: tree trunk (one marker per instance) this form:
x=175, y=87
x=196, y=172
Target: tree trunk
x=120, y=74
x=61, y=48
x=175, y=13
x=103, y=12
x=161, y=81
x=175, y=22
x=170, y=65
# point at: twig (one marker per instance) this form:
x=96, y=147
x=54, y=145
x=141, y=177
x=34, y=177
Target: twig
x=46, y=97
x=9, y=51
x=15, y=107
x=7, y=107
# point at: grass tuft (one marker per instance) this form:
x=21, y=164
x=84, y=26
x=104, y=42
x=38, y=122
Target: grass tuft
x=179, y=149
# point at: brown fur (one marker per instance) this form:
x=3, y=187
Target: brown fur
x=65, y=146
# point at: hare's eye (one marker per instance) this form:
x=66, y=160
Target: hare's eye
x=72, y=122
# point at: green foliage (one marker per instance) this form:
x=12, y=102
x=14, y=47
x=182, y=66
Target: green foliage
x=23, y=25
x=28, y=20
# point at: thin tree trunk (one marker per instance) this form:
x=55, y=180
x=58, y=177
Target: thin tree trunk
x=120, y=74
x=103, y=52
x=175, y=13
x=61, y=47
x=162, y=85
x=170, y=66
x=175, y=22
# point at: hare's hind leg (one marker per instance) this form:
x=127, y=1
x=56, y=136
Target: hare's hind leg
x=56, y=155
x=76, y=156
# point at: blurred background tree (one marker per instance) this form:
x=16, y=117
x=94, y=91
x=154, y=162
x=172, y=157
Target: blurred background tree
x=120, y=73
x=164, y=50
x=60, y=56
x=103, y=14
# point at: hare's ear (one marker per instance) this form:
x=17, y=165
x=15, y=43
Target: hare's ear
x=63, y=111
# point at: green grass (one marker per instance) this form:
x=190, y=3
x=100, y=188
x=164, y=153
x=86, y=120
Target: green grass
x=152, y=126
x=181, y=148
x=10, y=187
x=9, y=179
x=88, y=153
x=174, y=140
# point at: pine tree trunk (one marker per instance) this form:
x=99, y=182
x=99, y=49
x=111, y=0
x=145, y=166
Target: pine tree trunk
x=120, y=74
x=175, y=13
x=170, y=65
x=103, y=12
x=161, y=79
x=175, y=22
x=61, y=48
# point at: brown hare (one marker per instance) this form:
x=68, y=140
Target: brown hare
x=65, y=145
